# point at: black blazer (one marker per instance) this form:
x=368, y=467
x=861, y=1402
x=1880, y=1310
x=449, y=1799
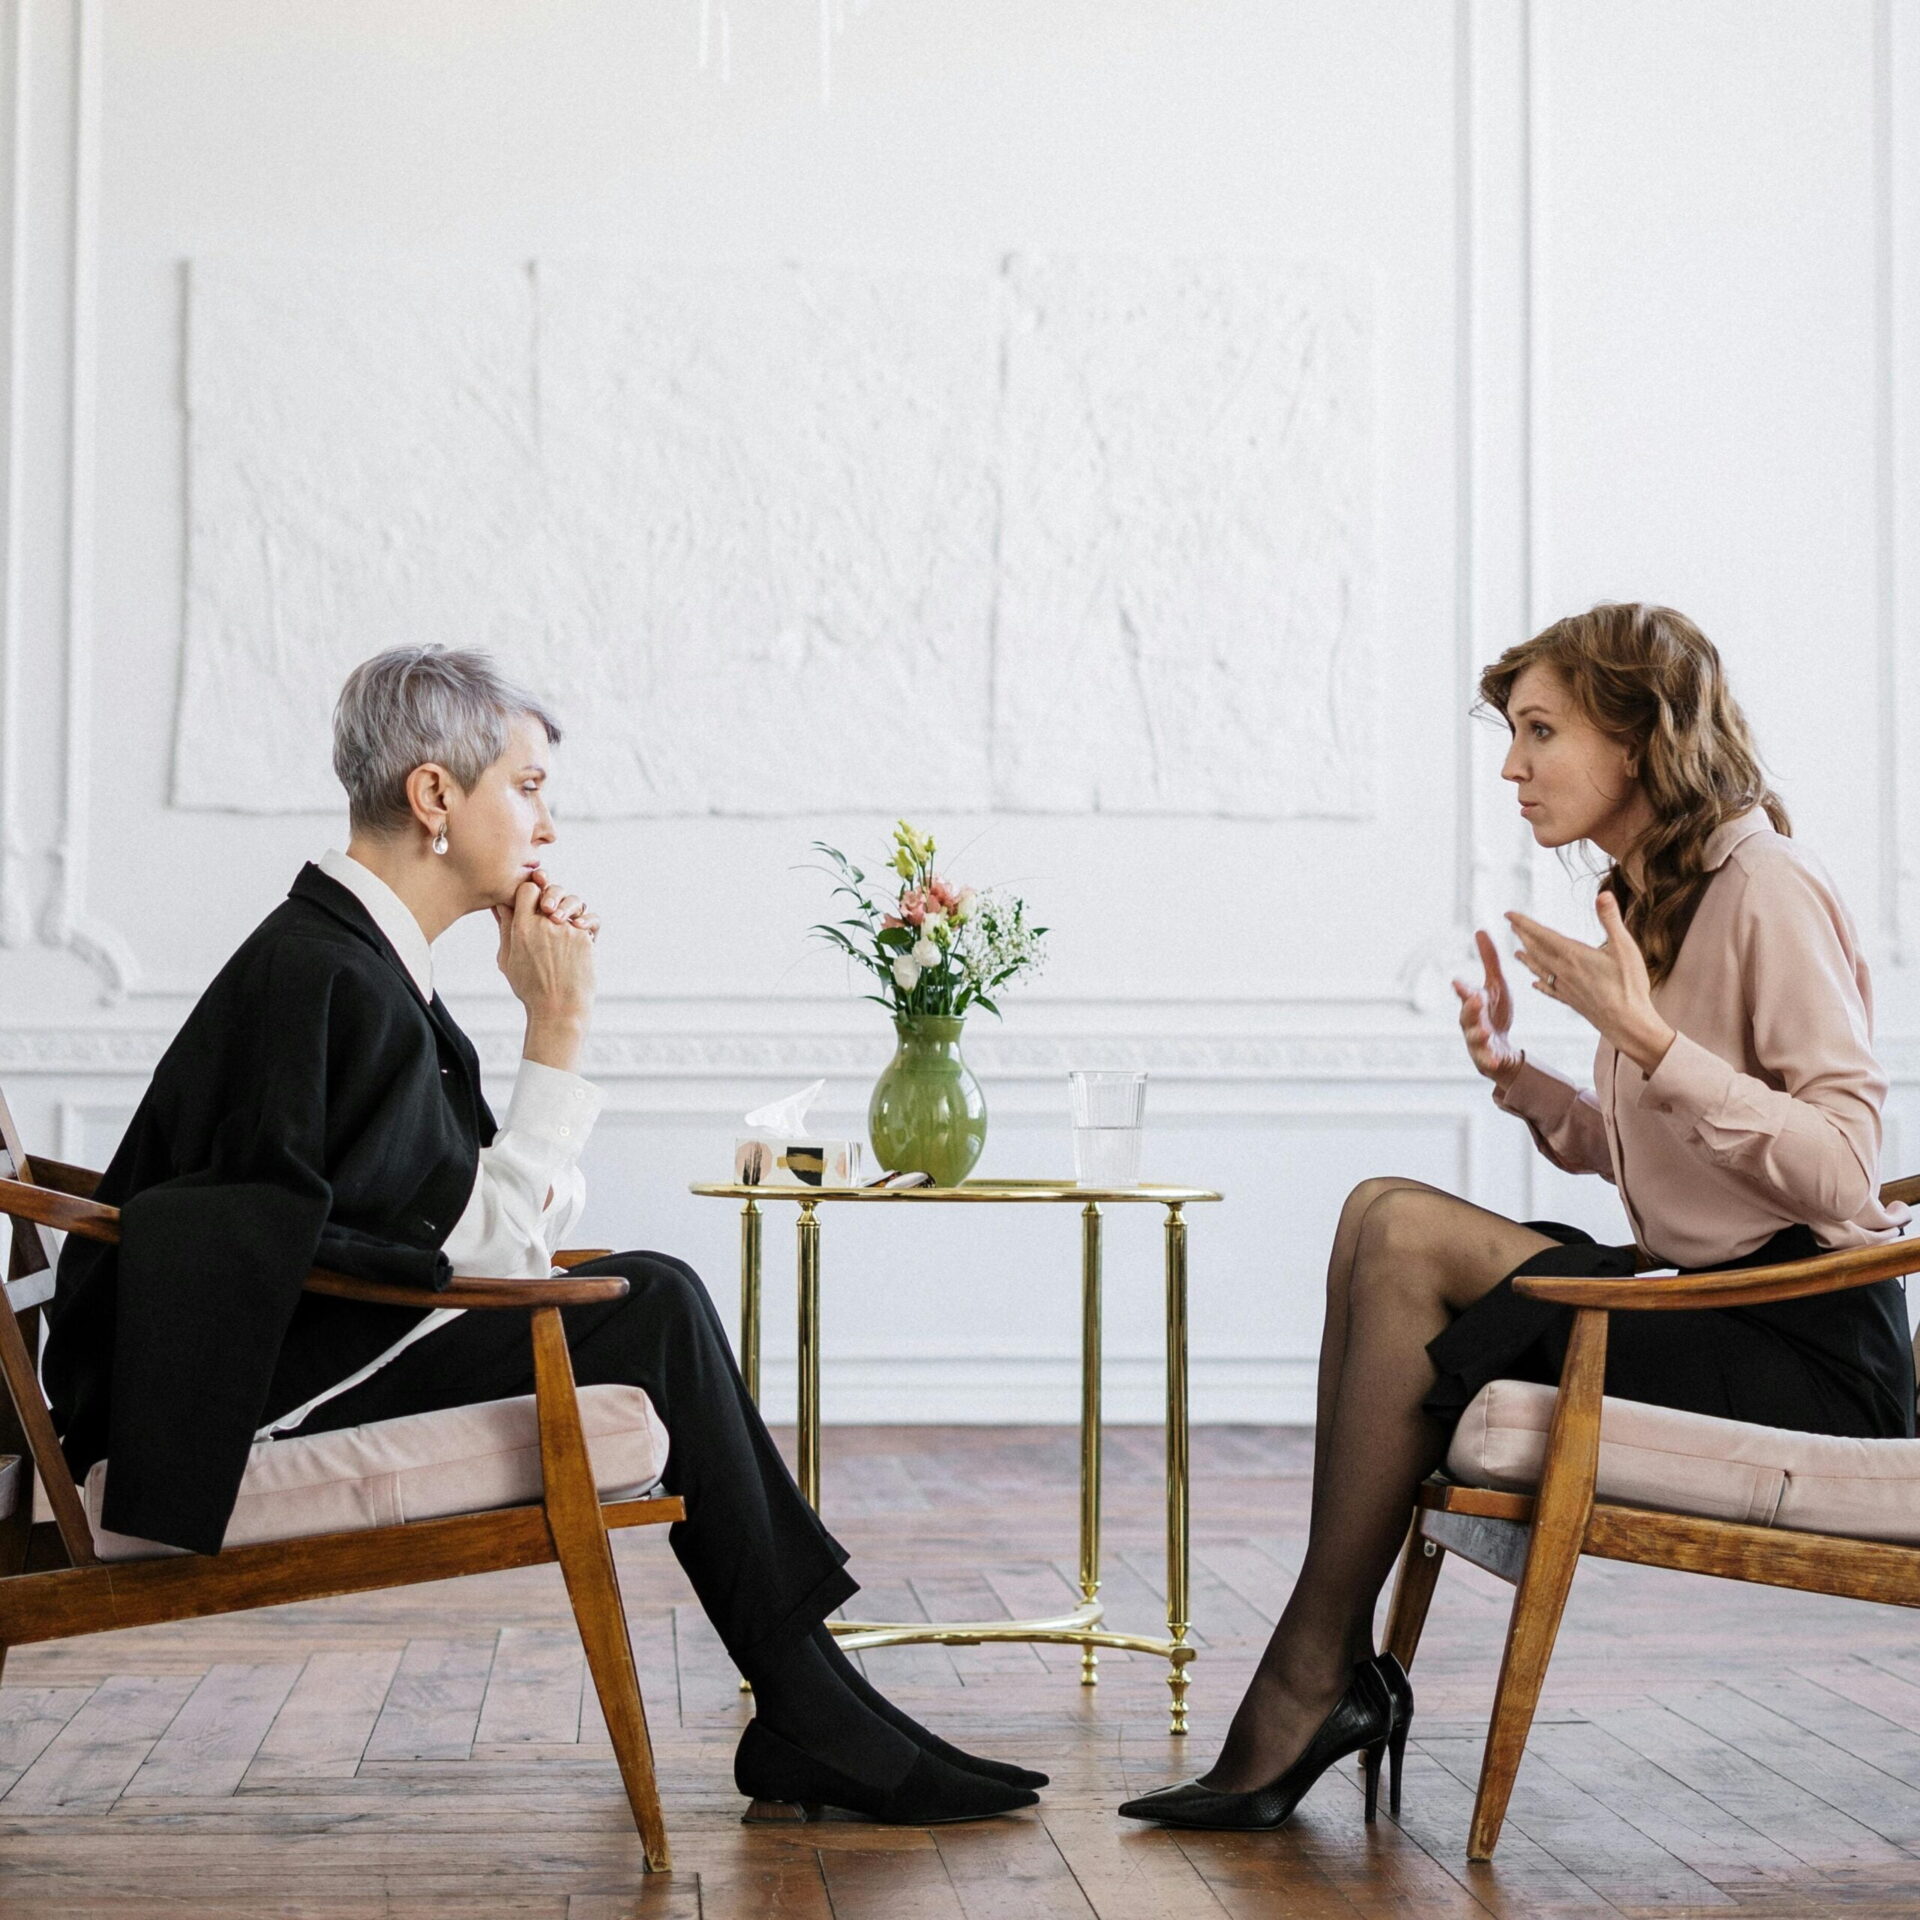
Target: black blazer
x=311, y=1112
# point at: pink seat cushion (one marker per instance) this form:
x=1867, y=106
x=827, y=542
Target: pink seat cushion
x=1693, y=1463
x=419, y=1467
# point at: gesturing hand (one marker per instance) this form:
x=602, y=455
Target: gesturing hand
x=1486, y=1017
x=1607, y=985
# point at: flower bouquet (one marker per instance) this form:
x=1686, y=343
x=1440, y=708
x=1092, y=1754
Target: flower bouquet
x=937, y=951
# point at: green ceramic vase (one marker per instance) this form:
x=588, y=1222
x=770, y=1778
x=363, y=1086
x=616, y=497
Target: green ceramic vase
x=927, y=1114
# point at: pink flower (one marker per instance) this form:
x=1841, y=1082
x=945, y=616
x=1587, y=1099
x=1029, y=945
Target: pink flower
x=915, y=905
x=892, y=920
x=944, y=892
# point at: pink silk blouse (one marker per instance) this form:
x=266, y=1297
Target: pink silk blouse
x=1765, y=1111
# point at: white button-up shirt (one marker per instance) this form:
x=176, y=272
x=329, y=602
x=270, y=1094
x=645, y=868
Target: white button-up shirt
x=527, y=1190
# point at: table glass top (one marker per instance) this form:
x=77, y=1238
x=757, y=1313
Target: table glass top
x=1017, y=1191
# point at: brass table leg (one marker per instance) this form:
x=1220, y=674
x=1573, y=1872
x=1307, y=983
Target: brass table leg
x=807, y=1232
x=1179, y=1653
x=1089, y=1427
x=750, y=1298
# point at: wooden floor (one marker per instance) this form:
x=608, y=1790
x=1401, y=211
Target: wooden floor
x=1704, y=1748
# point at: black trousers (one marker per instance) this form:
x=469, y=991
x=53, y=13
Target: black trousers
x=764, y=1567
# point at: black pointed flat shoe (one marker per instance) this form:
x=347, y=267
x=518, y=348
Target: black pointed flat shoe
x=785, y=1783
x=1361, y=1721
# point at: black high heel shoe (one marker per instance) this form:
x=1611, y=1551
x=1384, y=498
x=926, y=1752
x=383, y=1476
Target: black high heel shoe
x=1361, y=1722
x=786, y=1784
x=1393, y=1676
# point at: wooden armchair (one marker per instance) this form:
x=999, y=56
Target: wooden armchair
x=54, y=1585
x=1535, y=1540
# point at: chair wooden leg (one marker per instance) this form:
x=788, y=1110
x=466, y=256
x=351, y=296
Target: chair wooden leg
x=580, y=1543
x=1412, y=1593
x=1560, y=1518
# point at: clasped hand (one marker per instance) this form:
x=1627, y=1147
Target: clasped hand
x=1607, y=986
x=546, y=950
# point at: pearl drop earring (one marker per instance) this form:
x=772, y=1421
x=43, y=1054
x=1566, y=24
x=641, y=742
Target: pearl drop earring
x=440, y=841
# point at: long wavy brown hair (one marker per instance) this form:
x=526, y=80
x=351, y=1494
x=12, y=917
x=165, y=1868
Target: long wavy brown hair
x=1652, y=680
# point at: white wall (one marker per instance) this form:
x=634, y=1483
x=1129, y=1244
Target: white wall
x=1637, y=299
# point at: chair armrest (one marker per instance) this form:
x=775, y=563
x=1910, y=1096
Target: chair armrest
x=470, y=1292
x=1748, y=1287
x=78, y=1181
x=63, y=1210
x=1906, y=1192
x=579, y=1256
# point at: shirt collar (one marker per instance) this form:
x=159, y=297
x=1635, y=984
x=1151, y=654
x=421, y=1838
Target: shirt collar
x=1729, y=833
x=388, y=912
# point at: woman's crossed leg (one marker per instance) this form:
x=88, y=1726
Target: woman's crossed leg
x=1406, y=1259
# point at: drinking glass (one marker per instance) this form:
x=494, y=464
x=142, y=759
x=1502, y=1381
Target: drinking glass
x=1108, y=1107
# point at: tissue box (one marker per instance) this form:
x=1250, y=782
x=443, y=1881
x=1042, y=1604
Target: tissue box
x=796, y=1163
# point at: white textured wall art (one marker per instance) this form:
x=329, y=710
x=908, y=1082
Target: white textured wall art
x=1074, y=535
x=1181, y=623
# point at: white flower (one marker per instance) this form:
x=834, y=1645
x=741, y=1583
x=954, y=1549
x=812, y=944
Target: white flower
x=925, y=954
x=963, y=907
x=932, y=924
x=905, y=973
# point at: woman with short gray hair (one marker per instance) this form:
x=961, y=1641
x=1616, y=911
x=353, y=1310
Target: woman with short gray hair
x=321, y=1108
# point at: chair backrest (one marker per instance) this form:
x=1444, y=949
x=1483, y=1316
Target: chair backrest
x=32, y=1251
x=30, y=1282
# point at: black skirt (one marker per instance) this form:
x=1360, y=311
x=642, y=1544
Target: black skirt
x=1836, y=1363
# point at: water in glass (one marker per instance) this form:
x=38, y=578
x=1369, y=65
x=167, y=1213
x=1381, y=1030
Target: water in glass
x=1108, y=1106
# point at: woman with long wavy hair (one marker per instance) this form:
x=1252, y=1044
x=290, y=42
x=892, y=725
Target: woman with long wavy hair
x=1736, y=1107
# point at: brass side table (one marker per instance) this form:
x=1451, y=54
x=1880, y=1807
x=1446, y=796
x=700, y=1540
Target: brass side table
x=1083, y=1626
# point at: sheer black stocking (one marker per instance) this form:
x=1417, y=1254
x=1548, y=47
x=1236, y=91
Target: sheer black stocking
x=1413, y=1258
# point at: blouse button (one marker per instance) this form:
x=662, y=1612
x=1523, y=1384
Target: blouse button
x=565, y=1131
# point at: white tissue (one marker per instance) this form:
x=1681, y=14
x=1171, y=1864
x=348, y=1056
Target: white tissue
x=786, y=1119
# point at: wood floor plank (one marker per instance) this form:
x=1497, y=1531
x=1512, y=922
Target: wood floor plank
x=1877, y=1801
x=91, y=1759
x=323, y=1727
x=1523, y=1881
x=29, y=1719
x=1264, y=1876
x=1129, y=1873
x=432, y=1709
x=1665, y=1808
x=533, y=1690
x=1254, y=1577
x=658, y=1897
x=1858, y=1728
x=709, y=1682
x=1809, y=1827
x=1010, y=1870
x=1584, y=1833
x=889, y=1886
x=212, y=1739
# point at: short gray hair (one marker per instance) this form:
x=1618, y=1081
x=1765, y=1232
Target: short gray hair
x=411, y=705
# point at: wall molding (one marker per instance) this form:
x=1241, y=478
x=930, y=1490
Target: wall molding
x=122, y=1052
x=47, y=629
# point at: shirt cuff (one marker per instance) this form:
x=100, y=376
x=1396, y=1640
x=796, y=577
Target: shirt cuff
x=1537, y=1094
x=1689, y=1083
x=554, y=1108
